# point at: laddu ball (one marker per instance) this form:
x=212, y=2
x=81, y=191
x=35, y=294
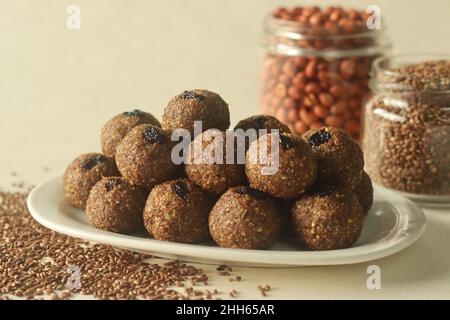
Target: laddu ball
x=261, y=122
x=245, y=218
x=196, y=105
x=177, y=211
x=297, y=167
x=203, y=169
x=116, y=205
x=118, y=127
x=143, y=157
x=328, y=220
x=83, y=173
x=340, y=159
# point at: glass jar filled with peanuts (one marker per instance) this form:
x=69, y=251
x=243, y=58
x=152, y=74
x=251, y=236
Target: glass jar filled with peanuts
x=406, y=138
x=316, y=67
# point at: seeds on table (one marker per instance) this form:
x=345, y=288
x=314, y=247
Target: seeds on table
x=124, y=274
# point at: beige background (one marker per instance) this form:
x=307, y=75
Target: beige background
x=58, y=87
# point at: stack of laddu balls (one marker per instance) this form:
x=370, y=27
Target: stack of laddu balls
x=135, y=184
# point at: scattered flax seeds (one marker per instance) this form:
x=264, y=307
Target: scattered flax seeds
x=224, y=268
x=237, y=278
x=263, y=289
x=34, y=262
x=18, y=185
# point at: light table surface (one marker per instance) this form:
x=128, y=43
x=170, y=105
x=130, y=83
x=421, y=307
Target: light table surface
x=58, y=87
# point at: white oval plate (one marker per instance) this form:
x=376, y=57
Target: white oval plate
x=393, y=224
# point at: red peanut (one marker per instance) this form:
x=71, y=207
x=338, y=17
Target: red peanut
x=294, y=93
x=334, y=121
x=289, y=103
x=310, y=101
x=339, y=107
x=310, y=70
x=281, y=90
x=292, y=115
x=307, y=117
x=326, y=99
x=321, y=112
x=312, y=87
x=338, y=91
x=300, y=127
x=347, y=69
x=299, y=81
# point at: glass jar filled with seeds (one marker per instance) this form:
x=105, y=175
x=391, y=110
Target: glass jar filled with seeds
x=316, y=67
x=407, y=126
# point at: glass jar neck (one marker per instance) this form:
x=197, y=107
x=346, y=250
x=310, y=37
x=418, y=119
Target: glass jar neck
x=293, y=39
x=389, y=76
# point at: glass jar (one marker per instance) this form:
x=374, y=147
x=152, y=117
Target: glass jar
x=313, y=77
x=407, y=126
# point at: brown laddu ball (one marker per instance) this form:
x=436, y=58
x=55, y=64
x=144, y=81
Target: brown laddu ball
x=177, y=211
x=296, y=170
x=196, y=105
x=245, y=218
x=207, y=162
x=118, y=127
x=83, y=173
x=260, y=122
x=116, y=205
x=340, y=160
x=364, y=191
x=328, y=220
x=143, y=157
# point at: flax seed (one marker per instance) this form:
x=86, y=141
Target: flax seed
x=34, y=262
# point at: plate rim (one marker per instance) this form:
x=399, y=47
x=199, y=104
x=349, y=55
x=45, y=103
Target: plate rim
x=196, y=252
